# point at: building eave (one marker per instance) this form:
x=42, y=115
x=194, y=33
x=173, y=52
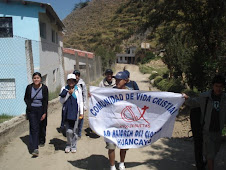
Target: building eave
x=49, y=11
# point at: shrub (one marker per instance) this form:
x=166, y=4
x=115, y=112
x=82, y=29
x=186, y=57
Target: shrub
x=175, y=86
x=224, y=131
x=152, y=76
x=157, y=80
x=165, y=75
x=162, y=85
x=191, y=93
x=169, y=85
x=149, y=56
x=4, y=117
x=145, y=69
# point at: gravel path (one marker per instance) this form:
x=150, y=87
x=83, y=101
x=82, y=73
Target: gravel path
x=166, y=154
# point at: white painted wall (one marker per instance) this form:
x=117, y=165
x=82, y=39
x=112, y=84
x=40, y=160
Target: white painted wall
x=69, y=62
x=50, y=54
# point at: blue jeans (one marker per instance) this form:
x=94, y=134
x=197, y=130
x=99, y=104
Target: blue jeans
x=80, y=125
x=37, y=129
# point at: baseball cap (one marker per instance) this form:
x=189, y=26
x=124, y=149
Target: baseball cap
x=108, y=71
x=121, y=75
x=71, y=76
x=76, y=72
x=127, y=72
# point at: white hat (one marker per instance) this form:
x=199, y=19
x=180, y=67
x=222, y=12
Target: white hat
x=71, y=76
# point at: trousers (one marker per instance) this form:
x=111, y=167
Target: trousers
x=37, y=127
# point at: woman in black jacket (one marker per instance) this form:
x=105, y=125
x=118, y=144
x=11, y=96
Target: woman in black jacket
x=36, y=99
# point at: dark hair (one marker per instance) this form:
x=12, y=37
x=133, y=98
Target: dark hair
x=37, y=73
x=76, y=72
x=108, y=71
x=218, y=79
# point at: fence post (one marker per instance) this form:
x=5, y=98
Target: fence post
x=95, y=67
x=100, y=66
x=29, y=60
x=61, y=66
x=76, y=60
x=87, y=69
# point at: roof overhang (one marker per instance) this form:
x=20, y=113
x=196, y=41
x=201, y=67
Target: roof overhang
x=49, y=11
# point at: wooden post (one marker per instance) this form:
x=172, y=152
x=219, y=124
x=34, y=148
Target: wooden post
x=99, y=66
x=61, y=66
x=95, y=67
x=77, y=61
x=87, y=69
x=29, y=60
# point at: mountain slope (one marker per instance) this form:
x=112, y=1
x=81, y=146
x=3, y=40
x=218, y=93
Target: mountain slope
x=88, y=27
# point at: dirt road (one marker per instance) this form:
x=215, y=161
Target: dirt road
x=166, y=154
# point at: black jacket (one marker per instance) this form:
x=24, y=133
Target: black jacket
x=27, y=97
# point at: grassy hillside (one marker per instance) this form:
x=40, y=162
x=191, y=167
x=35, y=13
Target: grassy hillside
x=108, y=23
x=87, y=28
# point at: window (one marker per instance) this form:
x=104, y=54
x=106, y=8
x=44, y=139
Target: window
x=7, y=89
x=6, y=27
x=120, y=58
x=54, y=75
x=56, y=38
x=53, y=36
x=125, y=58
x=42, y=26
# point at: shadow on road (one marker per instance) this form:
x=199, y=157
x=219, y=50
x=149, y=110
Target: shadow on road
x=58, y=144
x=25, y=139
x=177, y=154
x=99, y=162
x=144, y=81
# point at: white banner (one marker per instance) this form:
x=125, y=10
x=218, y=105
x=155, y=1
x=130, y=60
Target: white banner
x=132, y=118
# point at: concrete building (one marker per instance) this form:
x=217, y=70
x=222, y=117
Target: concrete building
x=128, y=57
x=70, y=61
x=30, y=41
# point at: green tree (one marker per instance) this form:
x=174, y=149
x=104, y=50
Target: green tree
x=193, y=34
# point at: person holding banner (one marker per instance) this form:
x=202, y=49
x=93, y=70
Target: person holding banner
x=71, y=98
x=213, y=117
x=132, y=85
x=108, y=81
x=121, y=80
x=129, y=118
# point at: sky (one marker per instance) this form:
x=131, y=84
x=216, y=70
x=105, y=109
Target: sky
x=61, y=7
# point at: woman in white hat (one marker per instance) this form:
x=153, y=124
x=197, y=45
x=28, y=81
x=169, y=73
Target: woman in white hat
x=71, y=98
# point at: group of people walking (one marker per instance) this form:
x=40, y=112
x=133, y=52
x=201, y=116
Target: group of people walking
x=73, y=97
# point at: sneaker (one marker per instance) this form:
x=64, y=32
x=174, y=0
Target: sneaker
x=67, y=150
x=122, y=168
x=35, y=153
x=73, y=150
